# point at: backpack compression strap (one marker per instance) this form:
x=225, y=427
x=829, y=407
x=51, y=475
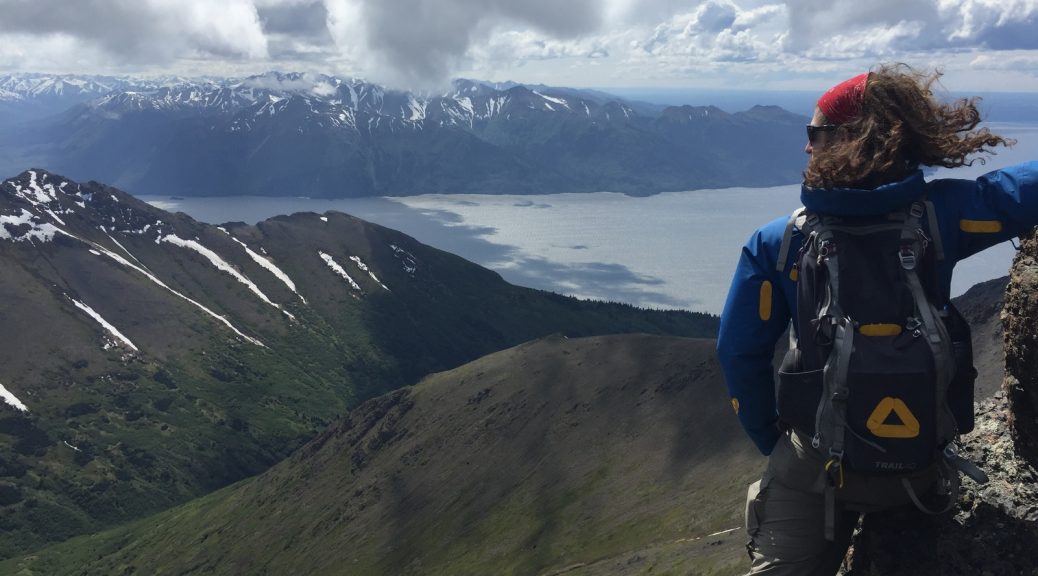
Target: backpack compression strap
x=935, y=231
x=787, y=238
x=831, y=416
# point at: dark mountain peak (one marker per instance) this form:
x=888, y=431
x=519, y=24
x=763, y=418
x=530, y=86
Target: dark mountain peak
x=40, y=206
x=518, y=92
x=39, y=188
x=769, y=113
x=465, y=86
x=616, y=110
x=691, y=114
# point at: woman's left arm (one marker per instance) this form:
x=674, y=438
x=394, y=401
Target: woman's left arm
x=1003, y=204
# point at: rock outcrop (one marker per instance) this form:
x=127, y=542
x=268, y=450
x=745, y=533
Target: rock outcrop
x=1018, y=316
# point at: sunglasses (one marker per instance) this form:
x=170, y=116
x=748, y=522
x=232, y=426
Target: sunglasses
x=813, y=131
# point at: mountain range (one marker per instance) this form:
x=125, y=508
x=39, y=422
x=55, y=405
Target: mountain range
x=320, y=395
x=296, y=134
x=611, y=455
x=147, y=359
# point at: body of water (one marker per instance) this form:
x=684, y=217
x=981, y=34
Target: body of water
x=670, y=250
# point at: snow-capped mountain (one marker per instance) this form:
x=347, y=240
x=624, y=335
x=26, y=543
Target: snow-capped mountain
x=26, y=97
x=322, y=136
x=467, y=103
x=43, y=86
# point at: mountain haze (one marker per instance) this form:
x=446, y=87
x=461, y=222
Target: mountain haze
x=147, y=358
x=314, y=135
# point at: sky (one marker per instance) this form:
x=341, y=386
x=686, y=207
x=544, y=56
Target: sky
x=421, y=44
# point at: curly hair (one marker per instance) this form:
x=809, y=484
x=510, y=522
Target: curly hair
x=901, y=127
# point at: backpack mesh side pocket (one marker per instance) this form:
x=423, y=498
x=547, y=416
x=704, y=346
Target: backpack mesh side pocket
x=798, y=393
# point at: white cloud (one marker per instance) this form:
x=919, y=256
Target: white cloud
x=516, y=47
x=935, y=24
x=717, y=31
x=1014, y=61
x=422, y=43
x=876, y=42
x=52, y=53
x=145, y=30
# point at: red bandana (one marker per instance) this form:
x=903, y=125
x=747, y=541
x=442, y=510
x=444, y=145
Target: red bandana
x=843, y=101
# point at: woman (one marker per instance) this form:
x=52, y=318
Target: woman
x=868, y=138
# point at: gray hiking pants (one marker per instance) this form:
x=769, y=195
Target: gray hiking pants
x=785, y=510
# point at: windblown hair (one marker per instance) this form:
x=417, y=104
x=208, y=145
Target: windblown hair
x=901, y=127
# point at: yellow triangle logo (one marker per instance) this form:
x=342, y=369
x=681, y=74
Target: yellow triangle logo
x=908, y=428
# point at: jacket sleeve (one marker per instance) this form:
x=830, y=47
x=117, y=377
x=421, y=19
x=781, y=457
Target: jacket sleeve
x=755, y=316
x=1003, y=204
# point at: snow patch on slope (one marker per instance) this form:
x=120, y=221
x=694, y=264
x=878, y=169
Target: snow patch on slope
x=223, y=266
x=407, y=260
x=104, y=323
x=558, y=101
x=11, y=400
x=123, y=248
x=41, y=195
x=416, y=109
x=104, y=251
x=269, y=265
x=42, y=231
x=338, y=269
x=364, y=267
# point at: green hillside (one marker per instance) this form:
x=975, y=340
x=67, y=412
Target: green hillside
x=221, y=367
x=605, y=455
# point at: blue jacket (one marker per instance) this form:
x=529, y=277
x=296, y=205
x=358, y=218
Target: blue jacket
x=971, y=216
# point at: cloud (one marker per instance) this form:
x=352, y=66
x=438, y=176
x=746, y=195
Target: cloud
x=717, y=31
x=143, y=31
x=514, y=48
x=317, y=84
x=1002, y=25
x=881, y=41
x=922, y=24
x=803, y=35
x=52, y=53
x=421, y=42
x=301, y=19
x=1020, y=61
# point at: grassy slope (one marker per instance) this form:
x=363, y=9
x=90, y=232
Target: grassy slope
x=197, y=408
x=607, y=455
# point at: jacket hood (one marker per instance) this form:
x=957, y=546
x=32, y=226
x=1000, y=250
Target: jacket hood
x=862, y=202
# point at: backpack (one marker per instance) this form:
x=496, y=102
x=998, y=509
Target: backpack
x=880, y=372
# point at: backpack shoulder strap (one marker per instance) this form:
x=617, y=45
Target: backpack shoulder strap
x=796, y=221
x=935, y=231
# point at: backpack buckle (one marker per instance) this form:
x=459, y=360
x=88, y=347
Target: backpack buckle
x=834, y=468
x=907, y=257
x=914, y=326
x=823, y=326
x=826, y=248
